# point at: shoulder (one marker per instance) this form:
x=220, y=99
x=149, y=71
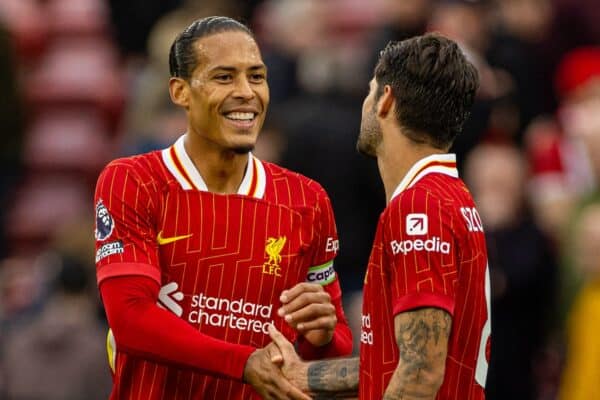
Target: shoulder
x=143, y=167
x=146, y=170
x=418, y=207
x=301, y=189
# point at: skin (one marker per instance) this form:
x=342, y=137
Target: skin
x=307, y=308
x=422, y=334
x=231, y=76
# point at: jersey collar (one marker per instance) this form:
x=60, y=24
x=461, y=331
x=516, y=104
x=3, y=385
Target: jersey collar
x=184, y=171
x=435, y=163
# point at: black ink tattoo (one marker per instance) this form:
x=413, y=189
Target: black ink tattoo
x=333, y=376
x=422, y=337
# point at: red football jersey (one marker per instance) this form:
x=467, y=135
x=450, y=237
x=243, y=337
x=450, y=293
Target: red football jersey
x=429, y=251
x=222, y=261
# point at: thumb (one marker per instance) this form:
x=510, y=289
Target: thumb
x=282, y=343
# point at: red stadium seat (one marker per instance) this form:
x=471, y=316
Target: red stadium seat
x=78, y=72
x=44, y=204
x=77, y=17
x=68, y=140
x=28, y=26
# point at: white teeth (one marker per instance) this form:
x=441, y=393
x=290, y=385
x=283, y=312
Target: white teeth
x=245, y=116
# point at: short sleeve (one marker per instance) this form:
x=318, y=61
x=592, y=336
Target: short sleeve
x=124, y=232
x=325, y=246
x=421, y=249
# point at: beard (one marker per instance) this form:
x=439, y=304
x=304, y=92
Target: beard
x=369, y=137
x=243, y=149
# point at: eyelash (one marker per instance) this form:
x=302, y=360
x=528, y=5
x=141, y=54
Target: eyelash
x=254, y=77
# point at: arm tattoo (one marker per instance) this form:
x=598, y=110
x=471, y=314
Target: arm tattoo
x=336, y=375
x=422, y=338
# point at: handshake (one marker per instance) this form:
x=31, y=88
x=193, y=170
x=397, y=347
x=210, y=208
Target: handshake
x=277, y=371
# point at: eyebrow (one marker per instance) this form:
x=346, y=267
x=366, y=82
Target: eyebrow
x=233, y=69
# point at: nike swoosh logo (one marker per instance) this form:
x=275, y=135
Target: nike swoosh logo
x=166, y=240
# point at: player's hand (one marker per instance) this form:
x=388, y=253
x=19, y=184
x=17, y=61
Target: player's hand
x=307, y=308
x=294, y=369
x=263, y=373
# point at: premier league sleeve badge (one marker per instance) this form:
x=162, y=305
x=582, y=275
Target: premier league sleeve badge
x=104, y=222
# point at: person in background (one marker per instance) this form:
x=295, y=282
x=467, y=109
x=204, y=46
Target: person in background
x=523, y=270
x=581, y=373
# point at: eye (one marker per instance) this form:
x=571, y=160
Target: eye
x=257, y=78
x=223, y=78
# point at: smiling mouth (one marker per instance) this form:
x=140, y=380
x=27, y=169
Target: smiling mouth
x=241, y=116
x=241, y=119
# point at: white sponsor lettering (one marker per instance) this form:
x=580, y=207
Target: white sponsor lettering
x=366, y=335
x=235, y=314
x=109, y=249
x=215, y=311
x=435, y=244
x=332, y=245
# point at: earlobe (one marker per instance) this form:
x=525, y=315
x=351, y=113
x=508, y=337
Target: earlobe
x=179, y=92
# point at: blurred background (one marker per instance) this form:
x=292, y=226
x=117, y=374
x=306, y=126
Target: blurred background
x=85, y=81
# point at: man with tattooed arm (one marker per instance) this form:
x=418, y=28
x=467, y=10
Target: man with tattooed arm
x=426, y=309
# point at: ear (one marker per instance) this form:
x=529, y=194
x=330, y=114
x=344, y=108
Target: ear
x=179, y=90
x=385, y=105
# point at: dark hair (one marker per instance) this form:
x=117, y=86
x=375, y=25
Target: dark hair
x=434, y=86
x=182, y=57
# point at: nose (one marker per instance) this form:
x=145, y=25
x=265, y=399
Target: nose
x=243, y=89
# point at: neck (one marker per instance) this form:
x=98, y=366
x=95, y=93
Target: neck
x=222, y=169
x=396, y=155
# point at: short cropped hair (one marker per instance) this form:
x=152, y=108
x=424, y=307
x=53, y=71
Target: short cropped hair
x=182, y=57
x=434, y=86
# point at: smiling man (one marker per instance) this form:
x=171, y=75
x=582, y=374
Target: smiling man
x=201, y=246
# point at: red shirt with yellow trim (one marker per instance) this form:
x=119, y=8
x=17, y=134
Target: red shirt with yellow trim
x=429, y=251
x=222, y=261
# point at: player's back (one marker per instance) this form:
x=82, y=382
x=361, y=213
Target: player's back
x=467, y=360
x=429, y=251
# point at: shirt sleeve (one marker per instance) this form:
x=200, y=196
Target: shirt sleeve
x=324, y=250
x=421, y=249
x=125, y=233
x=141, y=328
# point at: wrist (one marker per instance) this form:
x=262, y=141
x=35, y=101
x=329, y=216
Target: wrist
x=319, y=338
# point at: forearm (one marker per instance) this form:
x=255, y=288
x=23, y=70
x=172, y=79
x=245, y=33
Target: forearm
x=337, y=377
x=141, y=328
x=411, y=383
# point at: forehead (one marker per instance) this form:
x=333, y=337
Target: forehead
x=230, y=49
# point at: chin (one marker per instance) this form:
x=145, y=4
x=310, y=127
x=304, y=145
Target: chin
x=242, y=149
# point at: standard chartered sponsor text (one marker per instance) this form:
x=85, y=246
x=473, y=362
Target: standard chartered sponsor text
x=235, y=314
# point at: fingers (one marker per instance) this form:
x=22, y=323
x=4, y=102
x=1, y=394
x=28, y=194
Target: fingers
x=281, y=389
x=303, y=300
x=313, y=316
x=290, y=294
x=275, y=354
x=326, y=323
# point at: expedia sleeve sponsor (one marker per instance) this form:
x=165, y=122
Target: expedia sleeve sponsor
x=109, y=249
x=321, y=274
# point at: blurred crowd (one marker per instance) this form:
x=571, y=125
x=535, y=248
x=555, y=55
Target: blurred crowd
x=85, y=81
